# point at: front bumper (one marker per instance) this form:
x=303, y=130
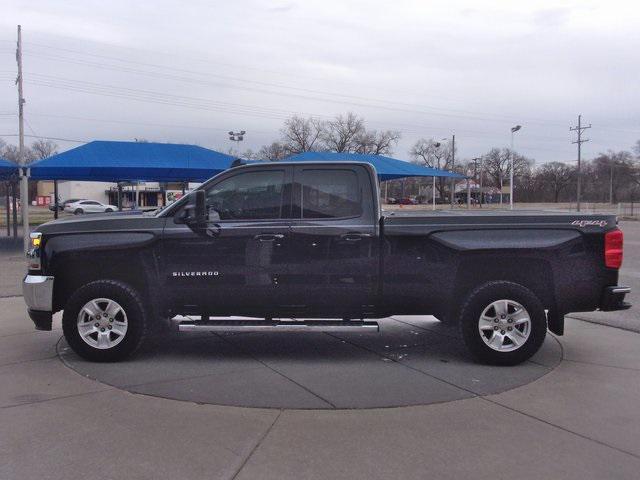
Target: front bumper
x=613, y=298
x=38, y=295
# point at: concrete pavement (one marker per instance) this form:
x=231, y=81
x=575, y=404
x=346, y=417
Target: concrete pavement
x=580, y=421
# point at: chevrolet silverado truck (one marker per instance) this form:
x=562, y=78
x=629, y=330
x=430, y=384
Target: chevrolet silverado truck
x=306, y=246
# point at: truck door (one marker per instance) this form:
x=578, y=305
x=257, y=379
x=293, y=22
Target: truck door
x=232, y=264
x=333, y=248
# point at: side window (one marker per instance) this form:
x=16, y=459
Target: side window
x=248, y=196
x=330, y=193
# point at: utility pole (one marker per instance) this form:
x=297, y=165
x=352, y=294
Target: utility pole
x=453, y=163
x=24, y=171
x=580, y=141
x=611, y=184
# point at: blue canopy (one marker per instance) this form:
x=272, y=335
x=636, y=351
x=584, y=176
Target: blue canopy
x=388, y=168
x=7, y=168
x=130, y=161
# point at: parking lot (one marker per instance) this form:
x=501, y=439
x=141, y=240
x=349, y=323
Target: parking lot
x=405, y=403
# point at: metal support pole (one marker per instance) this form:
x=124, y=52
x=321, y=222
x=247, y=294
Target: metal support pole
x=55, y=197
x=453, y=164
x=481, y=192
x=433, y=194
x=14, y=201
x=468, y=194
x=24, y=207
x=511, y=173
x=7, y=204
x=119, y=197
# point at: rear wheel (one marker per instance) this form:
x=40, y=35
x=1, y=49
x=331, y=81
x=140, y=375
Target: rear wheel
x=78, y=211
x=503, y=323
x=104, y=321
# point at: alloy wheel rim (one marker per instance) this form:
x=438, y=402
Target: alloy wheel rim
x=504, y=325
x=102, y=323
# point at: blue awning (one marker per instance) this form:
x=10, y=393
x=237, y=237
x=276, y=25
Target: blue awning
x=388, y=168
x=7, y=168
x=130, y=161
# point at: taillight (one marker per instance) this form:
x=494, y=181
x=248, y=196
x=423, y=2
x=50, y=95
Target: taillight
x=613, y=249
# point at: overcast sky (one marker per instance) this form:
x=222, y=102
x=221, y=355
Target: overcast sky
x=188, y=72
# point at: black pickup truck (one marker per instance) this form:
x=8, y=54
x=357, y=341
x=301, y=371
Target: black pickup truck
x=294, y=241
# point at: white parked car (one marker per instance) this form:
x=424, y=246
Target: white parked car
x=89, y=206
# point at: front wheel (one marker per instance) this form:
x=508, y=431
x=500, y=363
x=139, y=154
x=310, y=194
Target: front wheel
x=78, y=211
x=503, y=323
x=104, y=321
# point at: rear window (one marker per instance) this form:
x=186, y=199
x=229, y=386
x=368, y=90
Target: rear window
x=330, y=193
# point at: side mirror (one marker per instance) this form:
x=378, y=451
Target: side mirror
x=195, y=212
x=200, y=212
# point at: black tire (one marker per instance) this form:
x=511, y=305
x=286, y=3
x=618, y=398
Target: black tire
x=130, y=301
x=484, y=296
x=108, y=210
x=78, y=211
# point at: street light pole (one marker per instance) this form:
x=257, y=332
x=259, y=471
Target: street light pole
x=475, y=178
x=513, y=130
x=453, y=163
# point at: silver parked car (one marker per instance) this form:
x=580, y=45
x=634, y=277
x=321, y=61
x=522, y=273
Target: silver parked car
x=89, y=206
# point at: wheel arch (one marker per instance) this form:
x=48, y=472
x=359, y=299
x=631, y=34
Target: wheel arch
x=533, y=273
x=73, y=269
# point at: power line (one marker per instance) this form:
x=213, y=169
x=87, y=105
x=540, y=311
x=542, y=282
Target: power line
x=144, y=124
x=437, y=111
x=205, y=104
x=47, y=138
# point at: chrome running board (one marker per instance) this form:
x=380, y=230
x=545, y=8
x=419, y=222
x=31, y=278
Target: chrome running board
x=279, y=326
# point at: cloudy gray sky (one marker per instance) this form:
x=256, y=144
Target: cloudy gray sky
x=189, y=72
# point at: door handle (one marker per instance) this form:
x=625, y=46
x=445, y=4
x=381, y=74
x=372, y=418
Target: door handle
x=213, y=230
x=355, y=236
x=268, y=237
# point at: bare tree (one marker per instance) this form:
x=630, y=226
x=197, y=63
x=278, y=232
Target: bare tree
x=11, y=153
x=301, y=134
x=341, y=133
x=616, y=170
x=497, y=164
x=249, y=154
x=274, y=152
x=377, y=143
x=43, y=149
x=433, y=154
x=556, y=176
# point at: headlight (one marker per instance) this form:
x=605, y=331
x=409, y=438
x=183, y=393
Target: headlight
x=33, y=255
